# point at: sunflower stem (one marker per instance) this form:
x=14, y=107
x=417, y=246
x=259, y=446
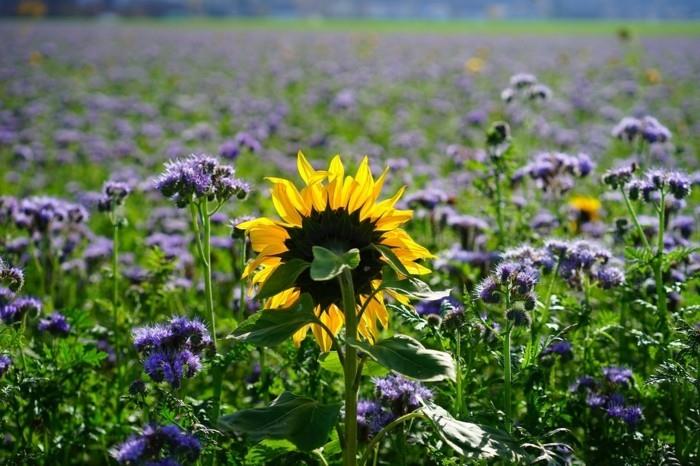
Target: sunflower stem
x=349, y=308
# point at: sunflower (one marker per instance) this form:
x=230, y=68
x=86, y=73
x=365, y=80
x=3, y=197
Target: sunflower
x=338, y=212
x=585, y=209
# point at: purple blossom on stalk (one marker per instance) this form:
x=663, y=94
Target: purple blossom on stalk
x=113, y=195
x=371, y=418
x=13, y=276
x=172, y=351
x=158, y=445
x=199, y=176
x=56, y=324
x=400, y=394
x=17, y=309
x=5, y=363
x=617, y=375
x=561, y=348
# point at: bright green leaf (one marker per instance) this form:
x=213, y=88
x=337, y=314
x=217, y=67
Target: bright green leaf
x=392, y=259
x=271, y=327
x=409, y=357
x=304, y=422
x=471, y=440
x=328, y=265
x=331, y=363
x=282, y=278
x=267, y=451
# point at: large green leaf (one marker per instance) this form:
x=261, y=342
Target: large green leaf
x=267, y=451
x=283, y=278
x=271, y=327
x=328, y=265
x=472, y=440
x=411, y=286
x=409, y=357
x=331, y=363
x=304, y=422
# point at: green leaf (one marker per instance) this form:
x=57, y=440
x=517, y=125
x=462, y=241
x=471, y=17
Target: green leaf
x=283, y=278
x=267, y=451
x=392, y=259
x=304, y=422
x=471, y=440
x=271, y=327
x=411, y=286
x=331, y=363
x=409, y=357
x=328, y=265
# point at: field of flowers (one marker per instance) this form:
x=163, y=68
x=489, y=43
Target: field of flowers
x=499, y=267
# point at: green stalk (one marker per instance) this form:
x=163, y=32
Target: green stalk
x=499, y=207
x=658, y=271
x=206, y=246
x=350, y=372
x=458, y=364
x=635, y=220
x=507, y=378
x=115, y=288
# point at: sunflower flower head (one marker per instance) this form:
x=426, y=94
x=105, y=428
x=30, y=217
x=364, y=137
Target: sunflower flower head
x=339, y=212
x=585, y=209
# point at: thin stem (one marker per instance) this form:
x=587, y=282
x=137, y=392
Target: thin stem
x=458, y=364
x=499, y=207
x=635, y=220
x=349, y=308
x=507, y=378
x=374, y=443
x=658, y=271
x=320, y=457
x=115, y=290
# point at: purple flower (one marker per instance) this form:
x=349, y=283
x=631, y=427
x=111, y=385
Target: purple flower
x=15, y=311
x=653, y=131
x=585, y=381
x=596, y=400
x=161, y=445
x=632, y=415
x=401, y=394
x=55, y=324
x=560, y=348
x=617, y=375
x=113, y=194
x=627, y=129
x=609, y=277
x=371, y=418
x=488, y=290
x=199, y=176
x=172, y=351
x=5, y=363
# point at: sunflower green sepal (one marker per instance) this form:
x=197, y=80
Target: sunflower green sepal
x=271, y=327
x=303, y=421
x=328, y=265
x=409, y=357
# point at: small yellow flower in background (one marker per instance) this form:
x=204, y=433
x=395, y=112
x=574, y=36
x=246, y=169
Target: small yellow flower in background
x=338, y=212
x=652, y=75
x=35, y=58
x=474, y=65
x=586, y=209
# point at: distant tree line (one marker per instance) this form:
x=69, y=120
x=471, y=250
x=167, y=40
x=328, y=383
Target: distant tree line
x=436, y=9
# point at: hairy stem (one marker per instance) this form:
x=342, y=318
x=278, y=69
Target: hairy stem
x=348, y=294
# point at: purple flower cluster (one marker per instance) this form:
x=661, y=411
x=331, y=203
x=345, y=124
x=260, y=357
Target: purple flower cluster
x=562, y=348
x=55, y=324
x=525, y=87
x=401, y=395
x=655, y=181
x=581, y=259
x=13, y=276
x=158, y=445
x=371, y=418
x=554, y=172
x=5, y=363
x=648, y=129
x=44, y=214
x=13, y=309
x=199, y=176
x=113, y=195
x=172, y=350
x=518, y=279
x=242, y=141
x=604, y=394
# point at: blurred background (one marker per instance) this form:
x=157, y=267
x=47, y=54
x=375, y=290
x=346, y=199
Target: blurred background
x=377, y=9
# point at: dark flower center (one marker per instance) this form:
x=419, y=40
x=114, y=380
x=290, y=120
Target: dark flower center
x=338, y=231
